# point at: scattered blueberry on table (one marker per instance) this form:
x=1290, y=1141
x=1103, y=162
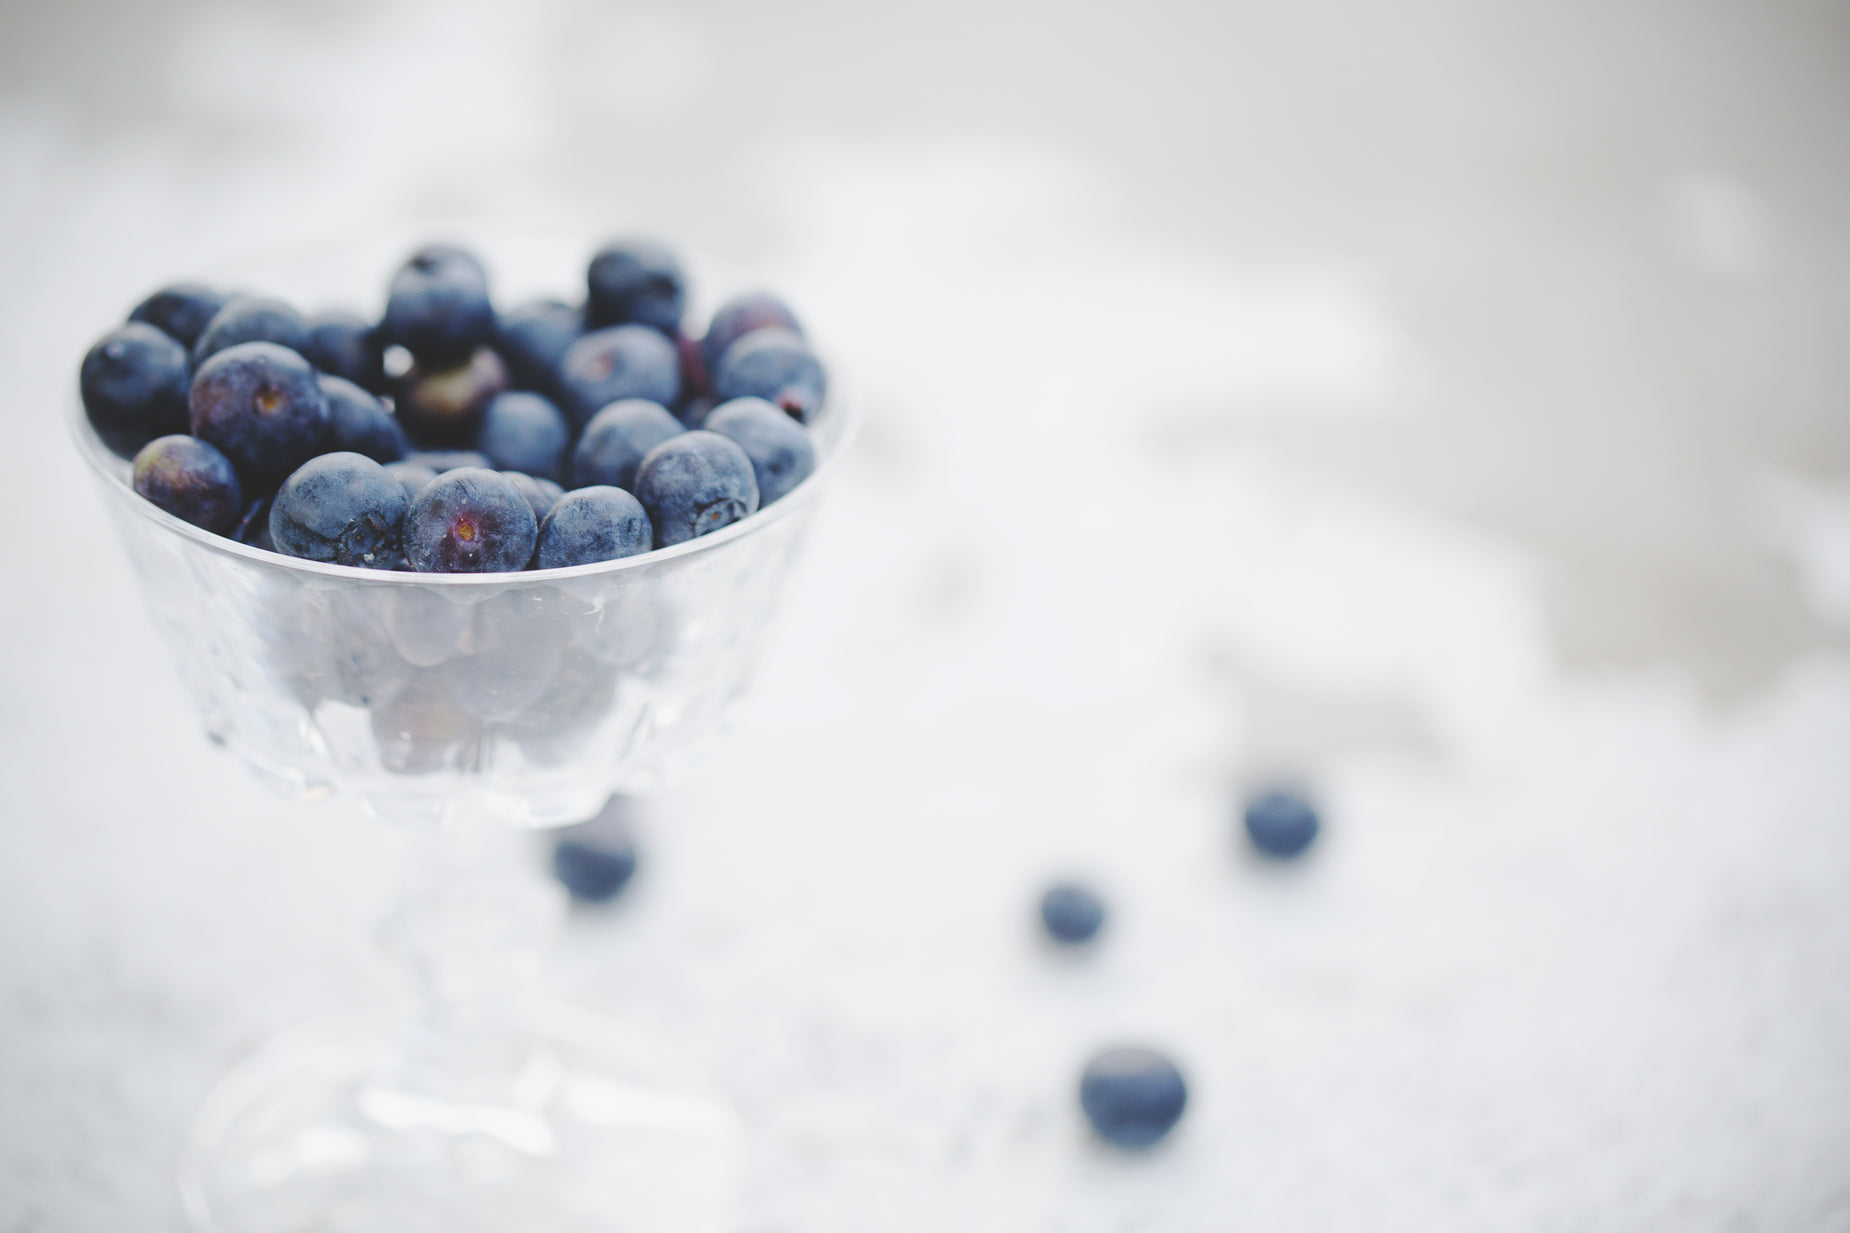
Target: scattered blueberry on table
x=536, y=403
x=595, y=860
x=1072, y=913
x=1132, y=1096
x=1280, y=823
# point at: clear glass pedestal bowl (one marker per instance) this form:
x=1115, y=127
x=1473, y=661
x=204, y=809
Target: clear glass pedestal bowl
x=466, y=708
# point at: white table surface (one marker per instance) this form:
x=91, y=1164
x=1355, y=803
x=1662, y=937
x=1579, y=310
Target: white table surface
x=1445, y=402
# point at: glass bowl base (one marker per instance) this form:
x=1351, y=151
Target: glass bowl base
x=566, y=1121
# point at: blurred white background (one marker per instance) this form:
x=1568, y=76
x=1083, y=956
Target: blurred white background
x=1444, y=402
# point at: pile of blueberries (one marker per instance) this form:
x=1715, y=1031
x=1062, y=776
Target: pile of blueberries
x=449, y=437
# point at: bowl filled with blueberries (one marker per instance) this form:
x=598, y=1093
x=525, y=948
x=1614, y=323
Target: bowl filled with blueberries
x=516, y=556
x=480, y=566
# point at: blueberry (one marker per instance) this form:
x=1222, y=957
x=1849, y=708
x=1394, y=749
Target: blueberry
x=1132, y=1096
x=617, y=438
x=1280, y=823
x=694, y=484
x=775, y=365
x=438, y=307
x=525, y=432
x=781, y=454
x=262, y=405
x=411, y=476
x=344, y=345
x=636, y=281
x=444, y=406
x=181, y=311
x=1071, y=912
x=470, y=521
x=594, y=860
x=249, y=318
x=624, y=361
x=190, y=480
x=533, y=338
x=541, y=494
x=134, y=383
x=599, y=523
x=738, y=317
x=360, y=423
x=449, y=460
x=341, y=507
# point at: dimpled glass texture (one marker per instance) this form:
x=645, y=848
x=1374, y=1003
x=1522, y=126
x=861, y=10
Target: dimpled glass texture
x=523, y=698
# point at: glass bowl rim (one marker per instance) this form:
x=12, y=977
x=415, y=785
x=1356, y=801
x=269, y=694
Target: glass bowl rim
x=113, y=470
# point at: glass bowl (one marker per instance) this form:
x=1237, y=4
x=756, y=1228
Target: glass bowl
x=466, y=707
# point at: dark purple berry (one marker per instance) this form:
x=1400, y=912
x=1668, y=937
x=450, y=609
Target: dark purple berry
x=624, y=361
x=190, y=480
x=523, y=431
x=134, y=383
x=635, y=281
x=181, y=311
x=617, y=438
x=1280, y=823
x=738, y=317
x=262, y=406
x=775, y=365
x=694, y=484
x=344, y=345
x=358, y=421
x=249, y=318
x=781, y=453
x=1072, y=913
x=593, y=524
x=470, y=521
x=533, y=338
x=596, y=859
x=1132, y=1096
x=438, y=308
x=343, y=508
